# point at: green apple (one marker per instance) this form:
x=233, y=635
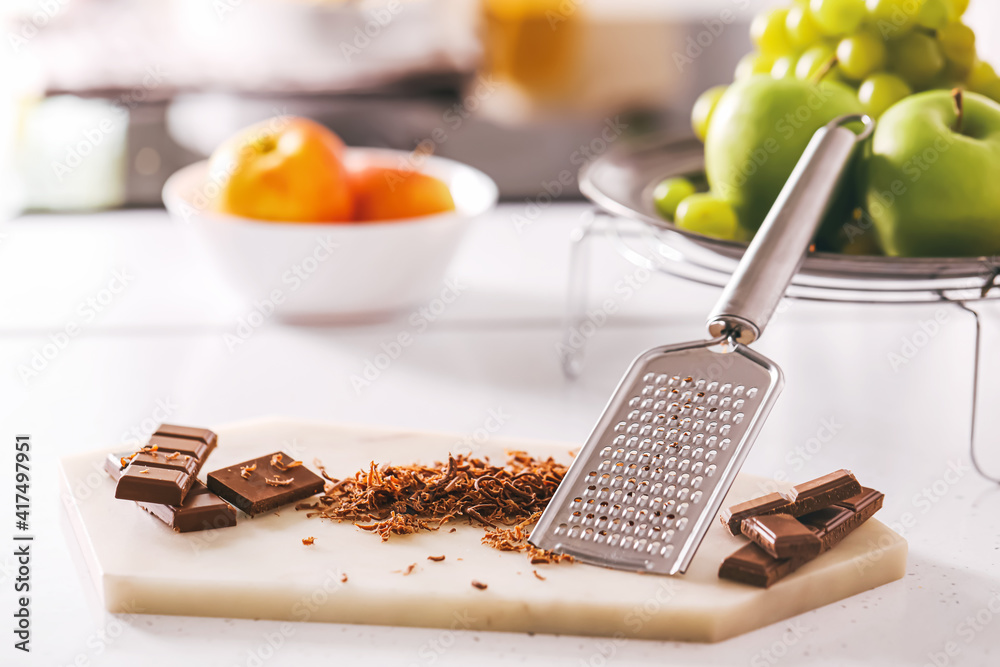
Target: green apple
x=758, y=131
x=931, y=177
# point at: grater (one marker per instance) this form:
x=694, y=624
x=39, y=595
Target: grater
x=651, y=478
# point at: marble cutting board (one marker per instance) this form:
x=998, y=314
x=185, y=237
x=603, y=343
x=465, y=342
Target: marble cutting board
x=261, y=569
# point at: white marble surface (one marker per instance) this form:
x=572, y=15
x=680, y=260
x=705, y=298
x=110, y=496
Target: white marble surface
x=158, y=349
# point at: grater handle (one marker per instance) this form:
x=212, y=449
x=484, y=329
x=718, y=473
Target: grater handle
x=779, y=247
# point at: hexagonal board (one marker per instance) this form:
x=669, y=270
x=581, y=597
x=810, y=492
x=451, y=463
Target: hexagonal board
x=261, y=569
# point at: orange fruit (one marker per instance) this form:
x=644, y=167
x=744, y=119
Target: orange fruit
x=286, y=169
x=389, y=193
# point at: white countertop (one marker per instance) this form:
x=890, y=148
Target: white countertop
x=158, y=346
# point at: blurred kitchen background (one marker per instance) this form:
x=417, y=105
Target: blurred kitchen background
x=103, y=99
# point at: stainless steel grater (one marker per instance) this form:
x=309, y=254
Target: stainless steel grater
x=651, y=478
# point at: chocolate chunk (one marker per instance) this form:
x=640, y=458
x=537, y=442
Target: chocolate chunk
x=191, y=432
x=822, y=491
x=769, y=504
x=184, y=455
x=782, y=536
x=751, y=565
x=153, y=485
x=266, y=487
x=833, y=526
x=802, y=499
x=863, y=500
x=202, y=509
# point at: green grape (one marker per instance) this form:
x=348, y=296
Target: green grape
x=704, y=106
x=801, y=28
x=956, y=8
x=669, y=193
x=917, y=58
x=880, y=91
x=932, y=14
x=861, y=54
x=704, y=213
x=753, y=63
x=958, y=43
x=893, y=18
x=813, y=60
x=768, y=32
x=981, y=75
x=838, y=17
x=784, y=67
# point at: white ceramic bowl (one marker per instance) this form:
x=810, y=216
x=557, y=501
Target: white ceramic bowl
x=312, y=272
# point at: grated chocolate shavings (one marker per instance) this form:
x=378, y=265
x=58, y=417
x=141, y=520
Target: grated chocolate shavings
x=480, y=585
x=172, y=456
x=343, y=578
x=516, y=539
x=278, y=481
x=538, y=576
x=277, y=464
x=436, y=559
x=246, y=471
x=308, y=541
x=409, y=569
x=401, y=500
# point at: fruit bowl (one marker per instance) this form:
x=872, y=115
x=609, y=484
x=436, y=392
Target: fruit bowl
x=340, y=272
x=621, y=182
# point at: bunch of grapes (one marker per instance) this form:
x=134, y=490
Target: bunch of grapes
x=883, y=49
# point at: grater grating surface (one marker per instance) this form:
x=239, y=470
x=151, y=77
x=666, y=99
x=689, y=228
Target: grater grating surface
x=651, y=479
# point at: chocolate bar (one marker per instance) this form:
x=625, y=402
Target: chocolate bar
x=782, y=536
x=265, y=483
x=802, y=499
x=202, y=509
x=165, y=469
x=752, y=565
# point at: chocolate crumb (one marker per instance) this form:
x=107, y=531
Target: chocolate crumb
x=538, y=576
x=452, y=530
x=308, y=541
x=480, y=585
x=436, y=559
x=343, y=578
x=409, y=569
